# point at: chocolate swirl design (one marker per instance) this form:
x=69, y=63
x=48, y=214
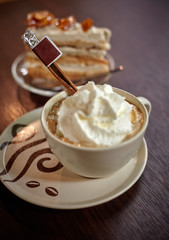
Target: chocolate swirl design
x=16, y=154
x=27, y=133
x=29, y=162
x=42, y=168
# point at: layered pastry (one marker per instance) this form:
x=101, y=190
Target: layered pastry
x=84, y=48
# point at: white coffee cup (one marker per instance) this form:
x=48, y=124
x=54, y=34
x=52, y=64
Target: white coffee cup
x=90, y=161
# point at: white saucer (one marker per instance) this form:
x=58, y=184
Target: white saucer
x=30, y=171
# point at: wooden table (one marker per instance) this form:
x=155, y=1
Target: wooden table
x=140, y=42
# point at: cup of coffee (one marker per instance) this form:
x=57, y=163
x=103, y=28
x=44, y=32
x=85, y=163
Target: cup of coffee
x=121, y=143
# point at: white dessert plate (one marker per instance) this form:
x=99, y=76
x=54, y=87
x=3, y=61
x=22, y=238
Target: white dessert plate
x=20, y=74
x=30, y=171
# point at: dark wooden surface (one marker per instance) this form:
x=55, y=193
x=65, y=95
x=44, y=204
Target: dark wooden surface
x=140, y=42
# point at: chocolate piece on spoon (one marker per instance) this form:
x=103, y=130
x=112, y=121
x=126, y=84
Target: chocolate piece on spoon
x=48, y=53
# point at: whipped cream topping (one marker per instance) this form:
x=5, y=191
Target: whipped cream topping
x=95, y=115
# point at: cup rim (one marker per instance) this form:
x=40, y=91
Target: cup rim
x=64, y=93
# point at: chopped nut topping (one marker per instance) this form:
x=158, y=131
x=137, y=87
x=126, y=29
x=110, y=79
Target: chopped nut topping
x=87, y=24
x=44, y=18
x=39, y=19
x=65, y=23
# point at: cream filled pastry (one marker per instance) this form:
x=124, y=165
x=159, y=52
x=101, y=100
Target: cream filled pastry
x=83, y=46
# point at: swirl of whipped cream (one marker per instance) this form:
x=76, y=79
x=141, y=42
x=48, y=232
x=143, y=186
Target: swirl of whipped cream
x=95, y=115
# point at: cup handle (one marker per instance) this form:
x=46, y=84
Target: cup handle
x=146, y=103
